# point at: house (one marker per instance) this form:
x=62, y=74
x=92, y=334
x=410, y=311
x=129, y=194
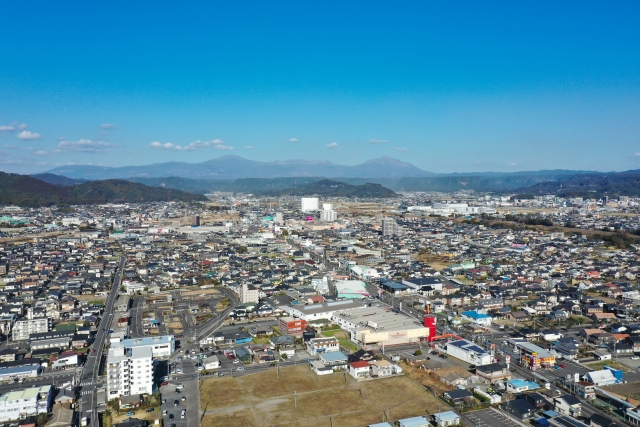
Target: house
x=334, y=359
x=600, y=378
x=359, y=369
x=586, y=390
x=445, y=419
x=458, y=396
x=493, y=372
x=132, y=422
x=381, y=368
x=322, y=345
x=520, y=409
x=518, y=316
x=477, y=318
x=567, y=405
x=414, y=422
x=536, y=400
x=61, y=417
x=600, y=421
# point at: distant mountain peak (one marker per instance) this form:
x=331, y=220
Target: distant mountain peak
x=386, y=160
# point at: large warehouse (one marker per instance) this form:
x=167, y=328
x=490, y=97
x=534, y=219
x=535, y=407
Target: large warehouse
x=376, y=325
x=351, y=289
x=469, y=352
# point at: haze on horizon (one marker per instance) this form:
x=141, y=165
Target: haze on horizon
x=461, y=87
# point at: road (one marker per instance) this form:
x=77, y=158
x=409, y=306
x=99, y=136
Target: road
x=88, y=381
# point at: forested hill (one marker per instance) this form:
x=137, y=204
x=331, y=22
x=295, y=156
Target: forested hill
x=27, y=191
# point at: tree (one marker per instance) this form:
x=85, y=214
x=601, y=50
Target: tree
x=418, y=352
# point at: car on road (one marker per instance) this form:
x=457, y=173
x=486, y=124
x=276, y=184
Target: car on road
x=236, y=361
x=635, y=358
x=164, y=383
x=240, y=368
x=179, y=370
x=180, y=386
x=563, y=366
x=179, y=359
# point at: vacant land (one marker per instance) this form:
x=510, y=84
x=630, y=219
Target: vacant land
x=342, y=338
x=628, y=390
x=600, y=365
x=301, y=398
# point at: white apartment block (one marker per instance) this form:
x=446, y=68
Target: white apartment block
x=30, y=325
x=249, y=293
x=20, y=404
x=129, y=371
x=162, y=346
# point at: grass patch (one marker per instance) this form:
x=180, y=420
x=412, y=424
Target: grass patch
x=342, y=339
x=597, y=366
x=263, y=399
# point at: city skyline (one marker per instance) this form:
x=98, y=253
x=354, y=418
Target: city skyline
x=464, y=88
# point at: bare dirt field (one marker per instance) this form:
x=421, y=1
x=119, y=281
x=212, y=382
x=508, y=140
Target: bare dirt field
x=201, y=293
x=628, y=390
x=263, y=399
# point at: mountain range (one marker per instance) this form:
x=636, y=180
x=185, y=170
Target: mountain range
x=235, y=167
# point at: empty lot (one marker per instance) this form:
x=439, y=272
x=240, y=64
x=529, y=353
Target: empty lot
x=301, y=398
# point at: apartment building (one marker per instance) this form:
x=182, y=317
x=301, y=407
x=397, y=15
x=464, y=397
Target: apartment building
x=31, y=401
x=249, y=293
x=162, y=346
x=25, y=327
x=129, y=371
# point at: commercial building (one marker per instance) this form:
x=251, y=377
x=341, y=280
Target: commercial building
x=129, y=371
x=161, y=346
x=534, y=357
x=323, y=310
x=469, y=352
x=309, y=204
x=328, y=215
x=291, y=326
x=375, y=325
x=20, y=404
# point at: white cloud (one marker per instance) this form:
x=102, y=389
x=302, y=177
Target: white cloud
x=512, y=164
x=332, y=145
x=23, y=126
x=83, y=145
x=400, y=149
x=41, y=163
x=27, y=135
x=250, y=147
x=8, y=128
x=107, y=126
x=378, y=141
x=216, y=144
x=10, y=146
x=293, y=140
x=637, y=154
x=40, y=153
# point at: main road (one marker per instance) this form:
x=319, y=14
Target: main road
x=87, y=381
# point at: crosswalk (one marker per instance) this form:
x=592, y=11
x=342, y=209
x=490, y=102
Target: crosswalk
x=84, y=383
x=86, y=392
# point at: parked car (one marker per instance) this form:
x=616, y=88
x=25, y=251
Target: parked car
x=180, y=386
x=176, y=402
x=171, y=417
x=149, y=409
x=563, y=366
x=164, y=383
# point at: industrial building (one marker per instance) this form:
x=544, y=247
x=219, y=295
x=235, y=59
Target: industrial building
x=469, y=352
x=351, y=289
x=376, y=325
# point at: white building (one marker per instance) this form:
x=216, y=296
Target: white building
x=160, y=346
x=324, y=310
x=249, y=293
x=129, y=371
x=328, y=215
x=309, y=204
x=19, y=404
x=30, y=325
x=468, y=352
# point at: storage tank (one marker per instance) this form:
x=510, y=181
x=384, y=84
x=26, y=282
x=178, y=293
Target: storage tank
x=430, y=324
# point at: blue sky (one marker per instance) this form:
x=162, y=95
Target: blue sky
x=447, y=86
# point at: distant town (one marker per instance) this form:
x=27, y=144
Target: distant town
x=426, y=309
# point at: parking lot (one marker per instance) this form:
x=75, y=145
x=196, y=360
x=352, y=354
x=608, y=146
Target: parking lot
x=185, y=394
x=490, y=418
